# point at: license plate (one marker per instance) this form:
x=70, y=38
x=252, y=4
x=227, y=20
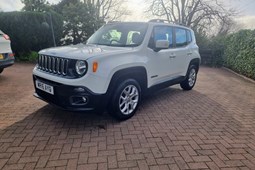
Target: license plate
x=1, y=56
x=44, y=87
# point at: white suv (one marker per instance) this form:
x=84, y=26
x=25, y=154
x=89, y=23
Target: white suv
x=119, y=64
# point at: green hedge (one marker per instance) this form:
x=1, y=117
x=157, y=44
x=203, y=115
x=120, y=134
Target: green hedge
x=239, y=52
x=30, y=31
x=29, y=57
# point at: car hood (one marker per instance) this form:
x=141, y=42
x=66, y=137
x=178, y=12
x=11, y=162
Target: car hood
x=82, y=51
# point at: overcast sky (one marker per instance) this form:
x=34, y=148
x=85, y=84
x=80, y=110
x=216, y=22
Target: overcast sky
x=246, y=9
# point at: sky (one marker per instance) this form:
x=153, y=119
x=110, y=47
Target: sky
x=246, y=9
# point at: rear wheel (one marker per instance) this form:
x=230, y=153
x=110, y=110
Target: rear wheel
x=191, y=78
x=1, y=70
x=126, y=99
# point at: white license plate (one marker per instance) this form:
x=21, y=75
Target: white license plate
x=44, y=87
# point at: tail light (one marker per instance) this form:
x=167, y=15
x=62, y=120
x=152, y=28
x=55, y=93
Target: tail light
x=11, y=54
x=6, y=37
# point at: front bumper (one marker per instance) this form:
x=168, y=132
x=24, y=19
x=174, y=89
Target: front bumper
x=65, y=96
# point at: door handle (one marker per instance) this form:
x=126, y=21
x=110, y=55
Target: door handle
x=190, y=53
x=172, y=56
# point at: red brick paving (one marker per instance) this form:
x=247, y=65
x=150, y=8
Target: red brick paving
x=210, y=127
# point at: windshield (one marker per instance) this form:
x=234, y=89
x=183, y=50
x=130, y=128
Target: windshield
x=120, y=35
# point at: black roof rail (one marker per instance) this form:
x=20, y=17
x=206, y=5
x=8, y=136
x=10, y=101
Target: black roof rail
x=111, y=22
x=159, y=20
x=166, y=21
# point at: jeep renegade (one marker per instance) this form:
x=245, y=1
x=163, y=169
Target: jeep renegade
x=119, y=64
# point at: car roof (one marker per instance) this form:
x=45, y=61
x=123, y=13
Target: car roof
x=153, y=23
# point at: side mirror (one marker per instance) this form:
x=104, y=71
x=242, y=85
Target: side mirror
x=161, y=44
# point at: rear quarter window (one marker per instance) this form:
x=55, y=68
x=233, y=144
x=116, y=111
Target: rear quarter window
x=189, y=36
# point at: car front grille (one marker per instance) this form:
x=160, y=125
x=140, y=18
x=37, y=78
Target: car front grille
x=51, y=64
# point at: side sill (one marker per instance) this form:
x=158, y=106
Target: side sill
x=165, y=84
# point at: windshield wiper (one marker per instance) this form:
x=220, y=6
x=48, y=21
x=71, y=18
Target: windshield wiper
x=99, y=44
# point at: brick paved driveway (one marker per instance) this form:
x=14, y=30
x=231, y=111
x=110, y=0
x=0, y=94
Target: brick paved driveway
x=210, y=127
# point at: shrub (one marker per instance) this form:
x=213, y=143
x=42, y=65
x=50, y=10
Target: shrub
x=235, y=51
x=239, y=52
x=30, y=31
x=30, y=56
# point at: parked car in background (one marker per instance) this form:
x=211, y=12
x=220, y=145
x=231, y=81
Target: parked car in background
x=6, y=55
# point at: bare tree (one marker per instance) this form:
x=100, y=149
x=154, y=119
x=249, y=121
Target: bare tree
x=109, y=9
x=198, y=14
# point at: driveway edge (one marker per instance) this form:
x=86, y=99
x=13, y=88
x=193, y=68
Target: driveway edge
x=239, y=75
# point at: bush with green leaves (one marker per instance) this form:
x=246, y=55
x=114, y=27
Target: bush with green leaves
x=235, y=51
x=239, y=52
x=30, y=31
x=29, y=57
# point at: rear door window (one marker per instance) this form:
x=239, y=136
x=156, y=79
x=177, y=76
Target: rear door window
x=180, y=37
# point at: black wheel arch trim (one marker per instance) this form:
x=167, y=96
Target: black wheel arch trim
x=196, y=62
x=138, y=73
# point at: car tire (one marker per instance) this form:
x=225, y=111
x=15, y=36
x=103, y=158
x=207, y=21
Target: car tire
x=190, y=79
x=126, y=99
x=1, y=70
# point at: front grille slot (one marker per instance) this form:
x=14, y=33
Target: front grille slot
x=51, y=64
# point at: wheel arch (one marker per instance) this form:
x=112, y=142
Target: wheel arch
x=138, y=73
x=195, y=62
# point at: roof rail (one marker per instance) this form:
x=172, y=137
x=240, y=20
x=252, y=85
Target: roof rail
x=166, y=21
x=111, y=22
x=159, y=20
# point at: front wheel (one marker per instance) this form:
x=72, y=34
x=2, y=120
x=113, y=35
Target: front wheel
x=191, y=78
x=126, y=99
x=1, y=70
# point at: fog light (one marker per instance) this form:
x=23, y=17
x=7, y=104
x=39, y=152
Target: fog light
x=79, y=90
x=84, y=99
x=79, y=100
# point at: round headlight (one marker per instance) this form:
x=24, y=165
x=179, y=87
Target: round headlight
x=81, y=67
